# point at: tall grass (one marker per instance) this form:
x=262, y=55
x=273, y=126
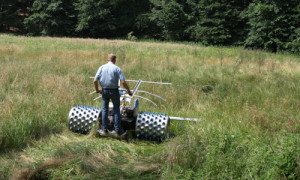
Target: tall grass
x=248, y=101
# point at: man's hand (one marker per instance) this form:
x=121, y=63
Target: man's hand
x=96, y=86
x=130, y=93
x=126, y=87
x=99, y=91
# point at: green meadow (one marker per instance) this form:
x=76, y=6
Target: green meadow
x=248, y=102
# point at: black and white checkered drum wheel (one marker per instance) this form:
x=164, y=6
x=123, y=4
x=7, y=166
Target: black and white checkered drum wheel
x=83, y=118
x=152, y=126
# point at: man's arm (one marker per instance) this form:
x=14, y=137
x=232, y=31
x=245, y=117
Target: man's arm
x=96, y=86
x=96, y=79
x=126, y=87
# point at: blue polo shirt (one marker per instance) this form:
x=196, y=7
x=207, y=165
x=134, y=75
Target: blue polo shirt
x=109, y=76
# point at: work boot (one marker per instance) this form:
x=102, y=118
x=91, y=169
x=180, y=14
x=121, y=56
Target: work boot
x=120, y=133
x=103, y=132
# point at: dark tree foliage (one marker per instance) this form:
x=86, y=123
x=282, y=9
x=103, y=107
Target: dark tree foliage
x=51, y=18
x=294, y=39
x=108, y=18
x=127, y=12
x=219, y=22
x=12, y=14
x=94, y=18
x=167, y=20
x=273, y=25
x=293, y=45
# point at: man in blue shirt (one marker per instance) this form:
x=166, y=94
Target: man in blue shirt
x=108, y=76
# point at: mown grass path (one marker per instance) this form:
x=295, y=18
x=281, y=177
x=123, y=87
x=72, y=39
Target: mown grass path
x=248, y=101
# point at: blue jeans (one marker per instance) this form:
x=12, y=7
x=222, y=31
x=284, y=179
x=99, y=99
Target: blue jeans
x=115, y=98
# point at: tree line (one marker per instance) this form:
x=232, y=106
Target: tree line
x=272, y=25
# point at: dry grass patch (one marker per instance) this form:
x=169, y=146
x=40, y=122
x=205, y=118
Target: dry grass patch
x=37, y=173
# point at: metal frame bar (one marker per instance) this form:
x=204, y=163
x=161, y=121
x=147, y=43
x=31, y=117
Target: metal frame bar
x=152, y=95
x=144, y=81
x=145, y=99
x=92, y=92
x=184, y=119
x=150, y=82
x=136, y=87
x=98, y=97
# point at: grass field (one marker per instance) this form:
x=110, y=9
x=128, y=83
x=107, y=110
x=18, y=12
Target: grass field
x=248, y=101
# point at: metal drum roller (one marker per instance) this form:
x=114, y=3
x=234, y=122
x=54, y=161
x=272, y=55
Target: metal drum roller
x=83, y=118
x=152, y=126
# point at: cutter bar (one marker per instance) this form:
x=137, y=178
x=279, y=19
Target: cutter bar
x=184, y=119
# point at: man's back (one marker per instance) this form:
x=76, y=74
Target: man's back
x=109, y=75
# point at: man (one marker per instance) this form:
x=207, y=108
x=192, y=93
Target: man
x=108, y=76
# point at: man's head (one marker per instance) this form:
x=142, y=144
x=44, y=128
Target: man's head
x=112, y=58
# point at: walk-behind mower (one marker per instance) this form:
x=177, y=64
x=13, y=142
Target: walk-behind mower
x=142, y=124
